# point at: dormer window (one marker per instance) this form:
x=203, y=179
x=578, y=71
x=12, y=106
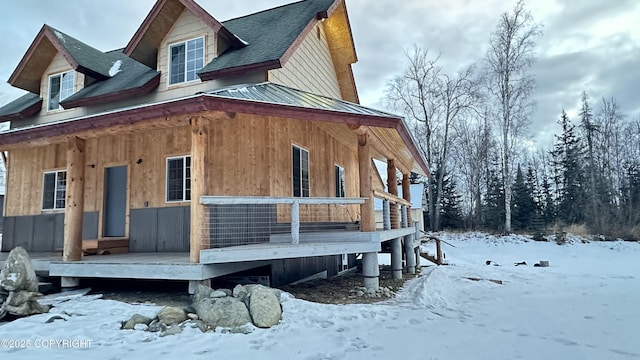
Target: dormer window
x=185, y=59
x=61, y=86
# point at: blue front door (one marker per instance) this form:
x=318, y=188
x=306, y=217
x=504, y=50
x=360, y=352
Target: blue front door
x=115, y=201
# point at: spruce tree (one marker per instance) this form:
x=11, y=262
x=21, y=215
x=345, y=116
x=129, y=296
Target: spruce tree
x=523, y=207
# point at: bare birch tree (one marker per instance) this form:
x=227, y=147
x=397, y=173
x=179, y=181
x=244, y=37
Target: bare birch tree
x=434, y=101
x=509, y=60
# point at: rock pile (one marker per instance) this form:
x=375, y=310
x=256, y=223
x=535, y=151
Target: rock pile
x=19, y=286
x=231, y=310
x=363, y=292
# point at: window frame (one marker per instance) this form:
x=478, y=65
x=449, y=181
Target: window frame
x=340, y=176
x=60, y=89
x=301, y=173
x=56, y=190
x=186, y=61
x=186, y=179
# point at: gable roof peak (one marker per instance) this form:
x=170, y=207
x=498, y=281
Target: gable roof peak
x=144, y=44
x=50, y=41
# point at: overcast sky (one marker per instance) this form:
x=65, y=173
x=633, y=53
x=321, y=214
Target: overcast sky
x=587, y=45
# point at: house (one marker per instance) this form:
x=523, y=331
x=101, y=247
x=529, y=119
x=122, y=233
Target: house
x=202, y=148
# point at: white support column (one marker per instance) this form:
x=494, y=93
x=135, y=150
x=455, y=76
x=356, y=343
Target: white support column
x=396, y=257
x=409, y=250
x=371, y=270
x=295, y=223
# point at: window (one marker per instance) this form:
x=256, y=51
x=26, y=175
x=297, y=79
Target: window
x=339, y=176
x=60, y=88
x=179, y=178
x=54, y=190
x=300, y=172
x=185, y=59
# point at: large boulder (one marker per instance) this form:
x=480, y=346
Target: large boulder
x=17, y=273
x=223, y=312
x=172, y=315
x=264, y=307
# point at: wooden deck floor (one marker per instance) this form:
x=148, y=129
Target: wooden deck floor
x=159, y=266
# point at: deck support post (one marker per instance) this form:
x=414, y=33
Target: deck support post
x=193, y=285
x=416, y=225
x=74, y=202
x=199, y=231
x=370, y=269
x=386, y=219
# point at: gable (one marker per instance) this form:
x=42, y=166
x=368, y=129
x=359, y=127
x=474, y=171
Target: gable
x=187, y=27
x=49, y=43
x=310, y=68
x=146, y=42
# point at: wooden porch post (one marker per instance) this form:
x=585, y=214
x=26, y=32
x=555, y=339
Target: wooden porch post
x=199, y=236
x=74, y=209
x=392, y=187
x=370, y=269
x=367, y=214
x=406, y=194
x=396, y=244
x=409, y=250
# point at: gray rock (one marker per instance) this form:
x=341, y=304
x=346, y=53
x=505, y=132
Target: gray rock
x=200, y=325
x=192, y=316
x=174, y=330
x=226, y=291
x=202, y=292
x=264, y=307
x=218, y=294
x=156, y=326
x=134, y=320
x=240, y=292
x=141, y=327
x=23, y=303
x=172, y=315
x=223, y=312
x=17, y=273
x=54, y=318
x=189, y=309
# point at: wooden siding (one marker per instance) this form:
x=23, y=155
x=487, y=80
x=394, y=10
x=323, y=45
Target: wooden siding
x=249, y=155
x=187, y=27
x=310, y=67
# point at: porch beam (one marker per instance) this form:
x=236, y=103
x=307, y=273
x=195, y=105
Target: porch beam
x=74, y=202
x=199, y=234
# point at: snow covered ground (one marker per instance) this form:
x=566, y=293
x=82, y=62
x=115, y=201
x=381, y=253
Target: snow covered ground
x=584, y=306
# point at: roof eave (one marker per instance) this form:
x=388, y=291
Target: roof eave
x=24, y=114
x=114, y=96
x=240, y=70
x=189, y=105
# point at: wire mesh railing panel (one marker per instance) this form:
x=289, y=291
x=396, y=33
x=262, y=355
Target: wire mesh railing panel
x=235, y=224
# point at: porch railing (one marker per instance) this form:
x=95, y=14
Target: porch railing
x=234, y=221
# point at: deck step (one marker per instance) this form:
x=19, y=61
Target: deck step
x=105, y=246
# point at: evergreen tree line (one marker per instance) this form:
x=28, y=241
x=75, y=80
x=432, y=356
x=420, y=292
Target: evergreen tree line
x=590, y=176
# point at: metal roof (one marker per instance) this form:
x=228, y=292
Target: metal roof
x=268, y=92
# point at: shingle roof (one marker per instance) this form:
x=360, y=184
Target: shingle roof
x=269, y=34
x=268, y=92
x=20, y=107
x=90, y=60
x=128, y=75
